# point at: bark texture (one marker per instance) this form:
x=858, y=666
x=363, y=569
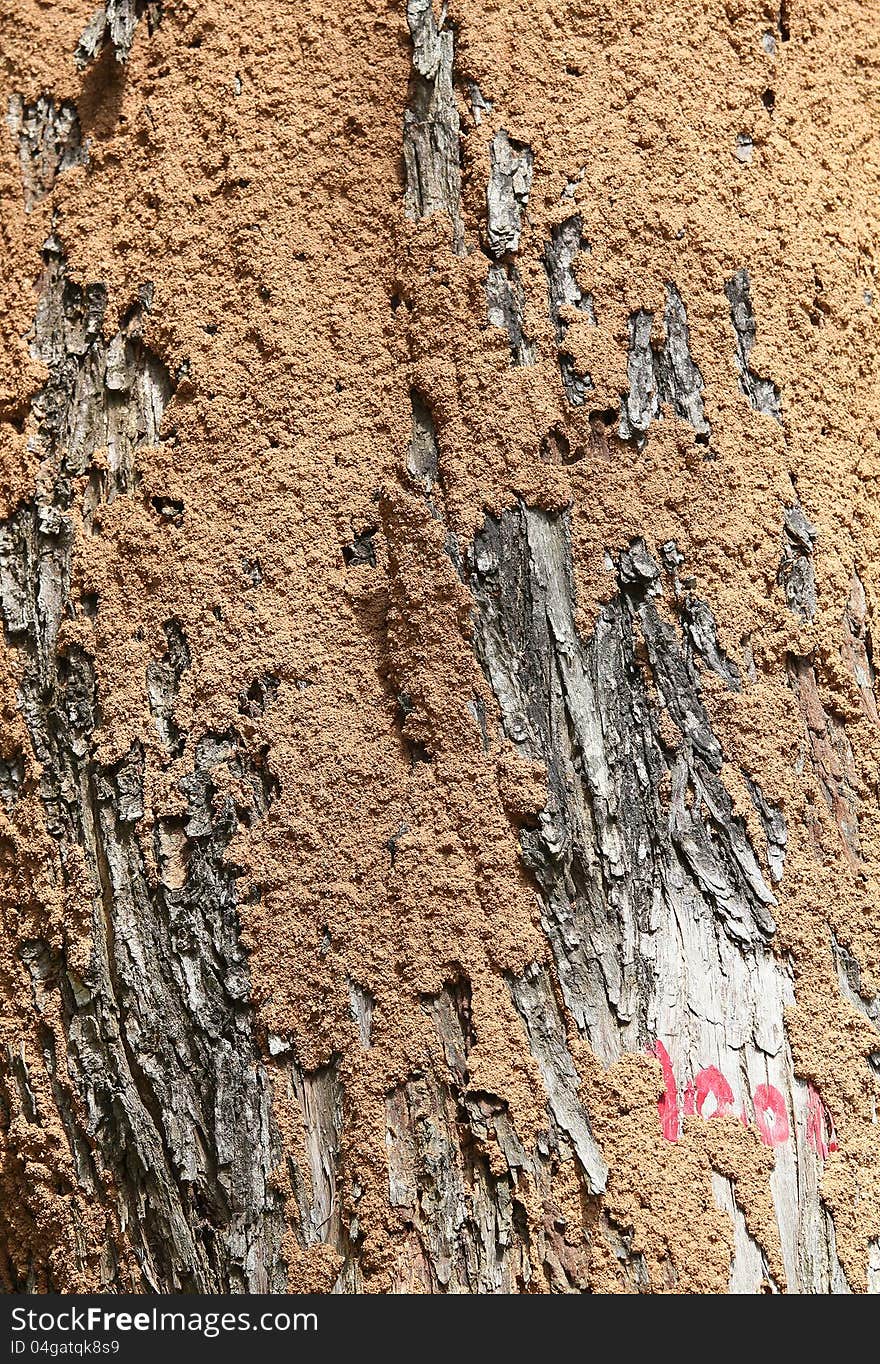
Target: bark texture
x=439, y=830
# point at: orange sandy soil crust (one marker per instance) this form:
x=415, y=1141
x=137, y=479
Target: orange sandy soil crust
x=247, y=160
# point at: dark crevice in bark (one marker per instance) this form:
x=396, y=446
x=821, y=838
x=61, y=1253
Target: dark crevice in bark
x=831, y=757
x=259, y=696
x=535, y=1002
x=849, y=976
x=423, y=455
x=507, y=195
x=11, y=778
x=360, y=552
x=478, y=102
x=858, y=648
x=361, y=1005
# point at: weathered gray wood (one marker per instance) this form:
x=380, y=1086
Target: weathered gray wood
x=467, y=1225
x=505, y=303
x=762, y=393
x=164, y=1101
x=662, y=374
x=560, y=255
x=657, y=906
x=796, y=571
x=431, y=125
x=507, y=194
x=113, y=26
x=656, y=903
x=423, y=457
x=49, y=142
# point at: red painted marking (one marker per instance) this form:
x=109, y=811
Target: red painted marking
x=667, y=1105
x=690, y=1100
x=820, y=1126
x=771, y=1115
x=714, y=1095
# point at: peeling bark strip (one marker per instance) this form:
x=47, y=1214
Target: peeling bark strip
x=652, y=896
x=155, y=1070
x=113, y=25
x=796, y=572
x=828, y=747
x=468, y=1227
x=431, y=124
x=662, y=374
x=505, y=303
x=761, y=393
x=101, y=394
x=560, y=255
x=507, y=194
x=49, y=142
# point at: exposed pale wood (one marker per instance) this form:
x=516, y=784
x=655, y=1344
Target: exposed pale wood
x=658, y=908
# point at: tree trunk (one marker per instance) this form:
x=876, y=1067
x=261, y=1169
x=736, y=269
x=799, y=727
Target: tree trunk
x=440, y=826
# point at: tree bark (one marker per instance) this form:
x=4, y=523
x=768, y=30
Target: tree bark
x=439, y=723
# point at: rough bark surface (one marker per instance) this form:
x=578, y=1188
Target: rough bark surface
x=431, y=122
x=155, y=1075
x=439, y=830
x=560, y=255
x=656, y=904
x=662, y=374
